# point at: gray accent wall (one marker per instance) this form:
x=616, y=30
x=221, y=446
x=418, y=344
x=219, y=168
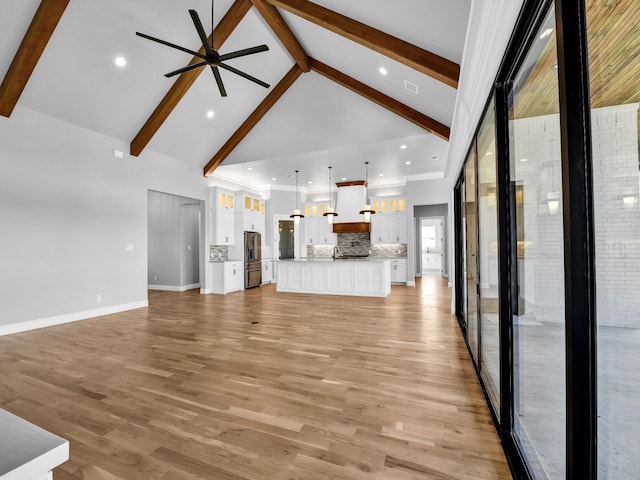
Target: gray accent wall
x=68, y=207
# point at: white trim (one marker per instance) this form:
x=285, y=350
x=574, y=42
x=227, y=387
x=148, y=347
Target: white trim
x=69, y=317
x=424, y=176
x=174, y=288
x=411, y=283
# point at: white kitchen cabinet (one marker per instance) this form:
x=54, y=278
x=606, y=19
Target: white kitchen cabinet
x=267, y=271
x=387, y=205
x=399, y=271
x=398, y=228
x=227, y=276
x=380, y=232
x=432, y=261
x=251, y=213
x=389, y=228
x=223, y=217
x=317, y=230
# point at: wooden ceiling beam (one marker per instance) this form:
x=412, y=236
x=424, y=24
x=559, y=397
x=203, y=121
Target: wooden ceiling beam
x=253, y=119
x=33, y=44
x=421, y=60
x=381, y=99
x=283, y=32
x=229, y=22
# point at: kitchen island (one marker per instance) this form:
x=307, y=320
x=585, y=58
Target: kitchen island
x=358, y=277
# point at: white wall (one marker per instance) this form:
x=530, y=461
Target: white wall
x=422, y=192
x=67, y=209
x=491, y=23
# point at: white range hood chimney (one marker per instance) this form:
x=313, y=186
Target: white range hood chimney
x=351, y=197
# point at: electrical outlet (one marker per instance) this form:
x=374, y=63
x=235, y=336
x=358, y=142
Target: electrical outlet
x=155, y=277
x=98, y=298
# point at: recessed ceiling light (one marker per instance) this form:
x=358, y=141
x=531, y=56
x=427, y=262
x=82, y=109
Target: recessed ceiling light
x=403, y=147
x=120, y=62
x=309, y=182
x=546, y=33
x=434, y=157
x=382, y=70
x=273, y=179
x=381, y=175
x=249, y=168
x=407, y=163
x=344, y=179
x=524, y=159
x=210, y=114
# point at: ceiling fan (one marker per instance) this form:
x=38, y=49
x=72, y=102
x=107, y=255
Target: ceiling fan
x=211, y=57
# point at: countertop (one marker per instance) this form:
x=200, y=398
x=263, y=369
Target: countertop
x=27, y=450
x=331, y=260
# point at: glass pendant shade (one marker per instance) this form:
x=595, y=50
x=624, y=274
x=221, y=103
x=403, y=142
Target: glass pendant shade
x=366, y=209
x=296, y=215
x=330, y=213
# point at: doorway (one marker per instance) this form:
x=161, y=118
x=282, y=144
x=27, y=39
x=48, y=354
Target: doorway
x=286, y=248
x=175, y=238
x=432, y=242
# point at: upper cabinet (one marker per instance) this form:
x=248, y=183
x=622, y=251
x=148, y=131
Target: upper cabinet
x=317, y=230
x=222, y=216
x=389, y=204
x=252, y=213
x=389, y=224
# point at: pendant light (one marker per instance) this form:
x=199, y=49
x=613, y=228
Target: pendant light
x=366, y=210
x=330, y=213
x=296, y=215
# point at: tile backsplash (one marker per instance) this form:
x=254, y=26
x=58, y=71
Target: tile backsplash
x=359, y=244
x=218, y=253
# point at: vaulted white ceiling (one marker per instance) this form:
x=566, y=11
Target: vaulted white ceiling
x=315, y=124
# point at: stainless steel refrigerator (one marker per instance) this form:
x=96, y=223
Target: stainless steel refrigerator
x=252, y=259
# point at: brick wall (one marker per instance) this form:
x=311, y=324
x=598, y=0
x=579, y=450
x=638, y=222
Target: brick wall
x=617, y=228
x=359, y=244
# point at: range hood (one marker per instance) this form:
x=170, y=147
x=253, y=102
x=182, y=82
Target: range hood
x=351, y=197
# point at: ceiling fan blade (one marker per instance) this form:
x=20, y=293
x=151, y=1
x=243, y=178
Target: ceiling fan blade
x=185, y=69
x=201, y=32
x=245, y=75
x=242, y=53
x=216, y=73
x=172, y=45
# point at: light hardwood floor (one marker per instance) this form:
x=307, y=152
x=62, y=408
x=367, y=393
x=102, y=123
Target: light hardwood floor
x=260, y=385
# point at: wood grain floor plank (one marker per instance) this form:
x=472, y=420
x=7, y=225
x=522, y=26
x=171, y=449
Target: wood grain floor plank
x=321, y=388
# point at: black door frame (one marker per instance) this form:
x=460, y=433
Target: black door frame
x=578, y=233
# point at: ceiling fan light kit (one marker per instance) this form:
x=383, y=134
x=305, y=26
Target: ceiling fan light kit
x=211, y=57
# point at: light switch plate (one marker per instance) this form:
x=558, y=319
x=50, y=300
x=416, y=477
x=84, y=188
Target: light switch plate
x=128, y=247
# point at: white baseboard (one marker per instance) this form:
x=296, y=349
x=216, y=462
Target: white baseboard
x=174, y=288
x=411, y=283
x=69, y=317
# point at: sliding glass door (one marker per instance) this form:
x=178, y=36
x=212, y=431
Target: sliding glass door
x=538, y=319
x=615, y=93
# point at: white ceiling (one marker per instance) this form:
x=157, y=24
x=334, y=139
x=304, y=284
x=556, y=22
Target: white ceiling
x=315, y=124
